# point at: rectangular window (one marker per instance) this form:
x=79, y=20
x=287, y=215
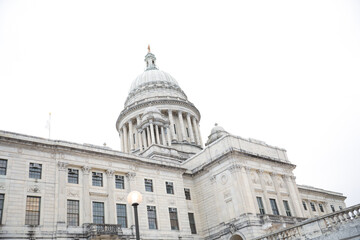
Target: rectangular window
x=3, y=166
x=72, y=212
x=187, y=131
x=98, y=213
x=148, y=185
x=73, y=176
x=274, y=206
x=312, y=205
x=174, y=128
x=321, y=207
x=332, y=208
x=119, y=182
x=287, y=208
x=134, y=138
x=192, y=223
x=261, y=205
x=97, y=179
x=169, y=187
x=151, y=211
x=2, y=197
x=187, y=194
x=35, y=170
x=121, y=215
x=174, y=223
x=32, y=215
x=304, y=205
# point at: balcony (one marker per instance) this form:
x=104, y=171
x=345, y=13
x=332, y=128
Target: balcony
x=92, y=230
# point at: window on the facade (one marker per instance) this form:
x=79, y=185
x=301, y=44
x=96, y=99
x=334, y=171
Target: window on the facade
x=73, y=176
x=73, y=212
x=151, y=211
x=119, y=182
x=187, y=131
x=35, y=170
x=121, y=215
x=148, y=185
x=332, y=208
x=2, y=196
x=287, y=208
x=32, y=215
x=134, y=138
x=3, y=166
x=174, y=128
x=192, y=223
x=261, y=205
x=274, y=206
x=187, y=194
x=169, y=187
x=98, y=213
x=304, y=205
x=174, y=223
x=321, y=207
x=312, y=205
x=97, y=179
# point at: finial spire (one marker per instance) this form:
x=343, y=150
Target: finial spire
x=150, y=60
x=148, y=47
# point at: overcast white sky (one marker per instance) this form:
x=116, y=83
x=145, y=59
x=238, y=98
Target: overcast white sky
x=284, y=72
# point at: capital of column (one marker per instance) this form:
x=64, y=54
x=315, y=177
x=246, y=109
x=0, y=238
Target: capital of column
x=86, y=169
x=260, y=172
x=110, y=173
x=62, y=166
x=130, y=176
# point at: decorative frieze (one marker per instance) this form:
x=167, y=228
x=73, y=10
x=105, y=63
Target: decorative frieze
x=34, y=189
x=73, y=193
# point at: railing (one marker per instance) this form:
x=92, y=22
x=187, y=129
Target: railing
x=102, y=229
x=324, y=223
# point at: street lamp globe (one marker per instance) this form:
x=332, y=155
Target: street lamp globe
x=134, y=198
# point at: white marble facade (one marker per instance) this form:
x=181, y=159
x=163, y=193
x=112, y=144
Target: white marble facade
x=232, y=183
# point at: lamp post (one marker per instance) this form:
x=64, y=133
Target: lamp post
x=135, y=198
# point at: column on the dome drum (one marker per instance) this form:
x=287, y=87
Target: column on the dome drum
x=172, y=130
x=131, y=137
x=192, y=140
x=168, y=135
x=148, y=136
x=143, y=133
x=121, y=140
x=139, y=137
x=163, y=136
x=125, y=138
x=152, y=132
x=196, y=130
x=157, y=134
x=182, y=127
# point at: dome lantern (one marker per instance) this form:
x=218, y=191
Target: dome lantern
x=150, y=60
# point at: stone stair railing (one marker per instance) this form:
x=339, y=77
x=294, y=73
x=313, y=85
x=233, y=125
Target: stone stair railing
x=323, y=223
x=93, y=229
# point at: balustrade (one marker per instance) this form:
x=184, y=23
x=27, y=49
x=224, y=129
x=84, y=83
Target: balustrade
x=103, y=229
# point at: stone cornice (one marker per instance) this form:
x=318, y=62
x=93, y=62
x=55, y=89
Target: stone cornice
x=57, y=146
x=303, y=188
x=175, y=102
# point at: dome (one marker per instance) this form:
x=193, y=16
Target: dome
x=152, y=76
x=216, y=133
x=217, y=128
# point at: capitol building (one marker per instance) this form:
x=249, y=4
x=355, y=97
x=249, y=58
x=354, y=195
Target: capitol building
x=221, y=187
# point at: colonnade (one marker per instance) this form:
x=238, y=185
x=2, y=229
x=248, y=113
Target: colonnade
x=136, y=135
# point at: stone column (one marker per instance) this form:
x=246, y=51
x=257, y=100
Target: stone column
x=163, y=136
x=196, y=130
x=168, y=135
x=182, y=127
x=157, y=134
x=192, y=139
x=148, y=136
x=198, y=127
x=130, y=177
x=111, y=198
x=121, y=140
x=131, y=137
x=295, y=196
x=245, y=171
x=172, y=130
x=152, y=132
x=144, y=138
x=268, y=209
x=86, y=209
x=62, y=167
x=126, y=149
x=139, y=137
x=139, y=141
